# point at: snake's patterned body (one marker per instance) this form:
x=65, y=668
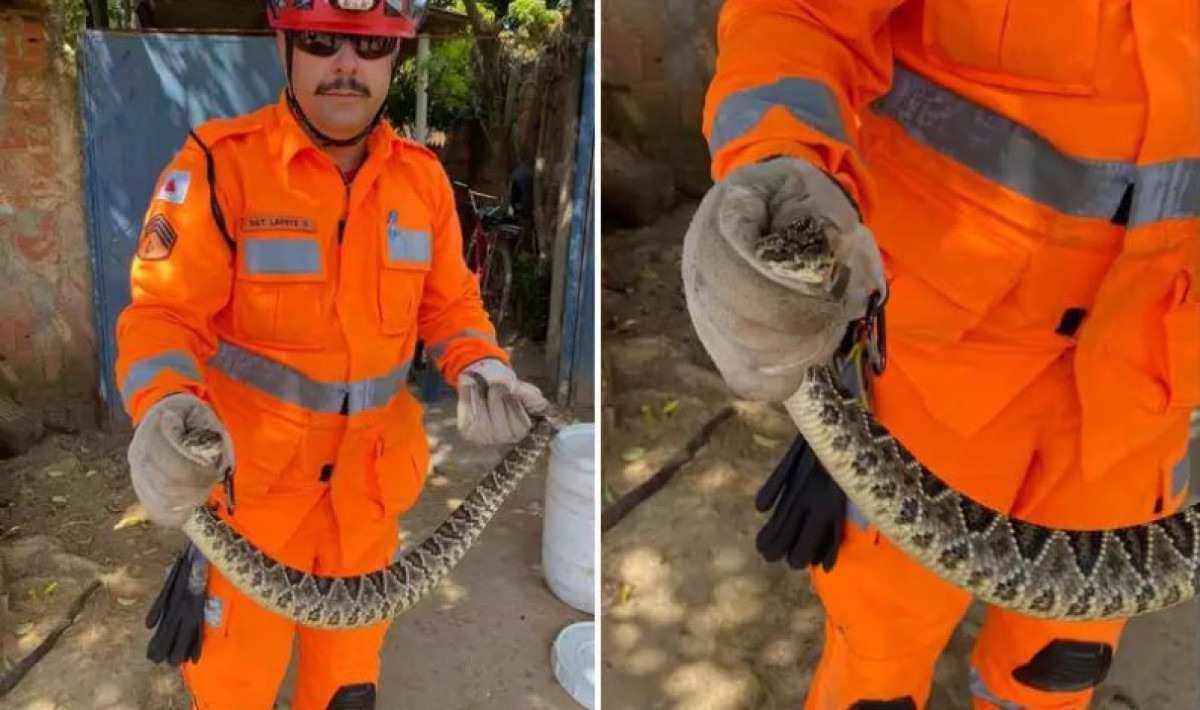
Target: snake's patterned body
x=351, y=602
x=1035, y=570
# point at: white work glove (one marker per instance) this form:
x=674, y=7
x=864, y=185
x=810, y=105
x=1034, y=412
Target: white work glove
x=493, y=405
x=169, y=478
x=764, y=329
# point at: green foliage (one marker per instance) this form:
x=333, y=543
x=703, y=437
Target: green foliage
x=120, y=17
x=454, y=84
x=452, y=97
x=74, y=20
x=532, y=17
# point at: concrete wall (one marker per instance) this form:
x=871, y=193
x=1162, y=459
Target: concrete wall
x=47, y=343
x=658, y=59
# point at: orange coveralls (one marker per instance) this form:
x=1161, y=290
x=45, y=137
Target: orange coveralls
x=297, y=322
x=1031, y=171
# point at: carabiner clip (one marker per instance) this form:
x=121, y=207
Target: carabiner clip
x=875, y=334
x=227, y=484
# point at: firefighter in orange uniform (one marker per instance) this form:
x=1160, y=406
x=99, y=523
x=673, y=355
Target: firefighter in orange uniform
x=289, y=262
x=1027, y=177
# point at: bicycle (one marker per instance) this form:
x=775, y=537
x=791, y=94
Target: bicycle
x=489, y=253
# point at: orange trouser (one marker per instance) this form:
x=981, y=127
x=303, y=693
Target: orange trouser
x=246, y=648
x=887, y=618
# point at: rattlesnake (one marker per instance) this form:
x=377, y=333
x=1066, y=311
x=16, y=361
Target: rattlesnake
x=351, y=602
x=1032, y=569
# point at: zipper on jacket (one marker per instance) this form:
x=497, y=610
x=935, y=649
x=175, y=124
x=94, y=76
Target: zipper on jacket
x=345, y=209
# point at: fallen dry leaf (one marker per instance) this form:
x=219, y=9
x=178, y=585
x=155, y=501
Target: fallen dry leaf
x=134, y=515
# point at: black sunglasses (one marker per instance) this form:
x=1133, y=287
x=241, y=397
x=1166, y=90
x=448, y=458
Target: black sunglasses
x=327, y=44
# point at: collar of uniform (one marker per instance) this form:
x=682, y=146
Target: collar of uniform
x=289, y=138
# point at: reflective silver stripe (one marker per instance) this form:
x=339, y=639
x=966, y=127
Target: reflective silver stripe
x=980, y=690
x=1012, y=155
x=438, y=349
x=291, y=385
x=1003, y=150
x=282, y=256
x=808, y=100
x=1168, y=190
x=143, y=371
x=408, y=245
x=855, y=515
x=1181, y=475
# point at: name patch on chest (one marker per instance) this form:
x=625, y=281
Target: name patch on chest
x=277, y=223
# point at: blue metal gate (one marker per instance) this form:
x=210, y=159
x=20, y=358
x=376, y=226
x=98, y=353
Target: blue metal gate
x=576, y=367
x=139, y=94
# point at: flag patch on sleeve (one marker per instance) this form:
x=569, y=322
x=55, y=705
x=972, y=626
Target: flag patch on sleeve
x=174, y=187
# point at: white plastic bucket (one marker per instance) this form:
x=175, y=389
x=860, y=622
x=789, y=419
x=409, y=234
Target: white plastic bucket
x=568, y=553
x=573, y=658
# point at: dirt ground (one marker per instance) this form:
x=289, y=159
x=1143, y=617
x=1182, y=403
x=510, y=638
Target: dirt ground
x=482, y=640
x=693, y=618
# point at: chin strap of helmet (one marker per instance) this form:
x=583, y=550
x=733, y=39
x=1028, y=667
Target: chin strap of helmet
x=321, y=137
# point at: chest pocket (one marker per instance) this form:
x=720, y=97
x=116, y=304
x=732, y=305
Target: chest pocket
x=282, y=297
x=1031, y=45
x=407, y=256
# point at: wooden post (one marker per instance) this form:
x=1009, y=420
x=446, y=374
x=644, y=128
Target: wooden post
x=422, y=127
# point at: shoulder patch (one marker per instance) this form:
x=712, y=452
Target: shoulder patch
x=157, y=240
x=174, y=186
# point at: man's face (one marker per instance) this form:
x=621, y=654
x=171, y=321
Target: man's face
x=340, y=93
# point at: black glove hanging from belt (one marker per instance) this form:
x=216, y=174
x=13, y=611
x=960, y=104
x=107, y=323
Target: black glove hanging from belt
x=810, y=511
x=809, y=507
x=177, y=615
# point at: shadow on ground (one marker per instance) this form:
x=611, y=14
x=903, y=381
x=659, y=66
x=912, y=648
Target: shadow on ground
x=693, y=618
x=482, y=640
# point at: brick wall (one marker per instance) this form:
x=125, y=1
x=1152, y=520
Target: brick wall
x=47, y=343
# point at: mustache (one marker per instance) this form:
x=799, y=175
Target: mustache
x=344, y=84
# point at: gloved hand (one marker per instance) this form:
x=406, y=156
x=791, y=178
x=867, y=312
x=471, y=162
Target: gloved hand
x=177, y=615
x=810, y=511
x=170, y=479
x=493, y=405
x=761, y=328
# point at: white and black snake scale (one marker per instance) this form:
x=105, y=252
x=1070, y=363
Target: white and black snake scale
x=1031, y=569
x=351, y=602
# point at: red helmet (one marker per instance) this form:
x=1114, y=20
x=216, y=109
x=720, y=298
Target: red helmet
x=384, y=18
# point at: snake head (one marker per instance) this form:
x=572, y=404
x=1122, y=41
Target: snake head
x=801, y=252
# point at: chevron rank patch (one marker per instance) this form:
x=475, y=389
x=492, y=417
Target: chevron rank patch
x=157, y=240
